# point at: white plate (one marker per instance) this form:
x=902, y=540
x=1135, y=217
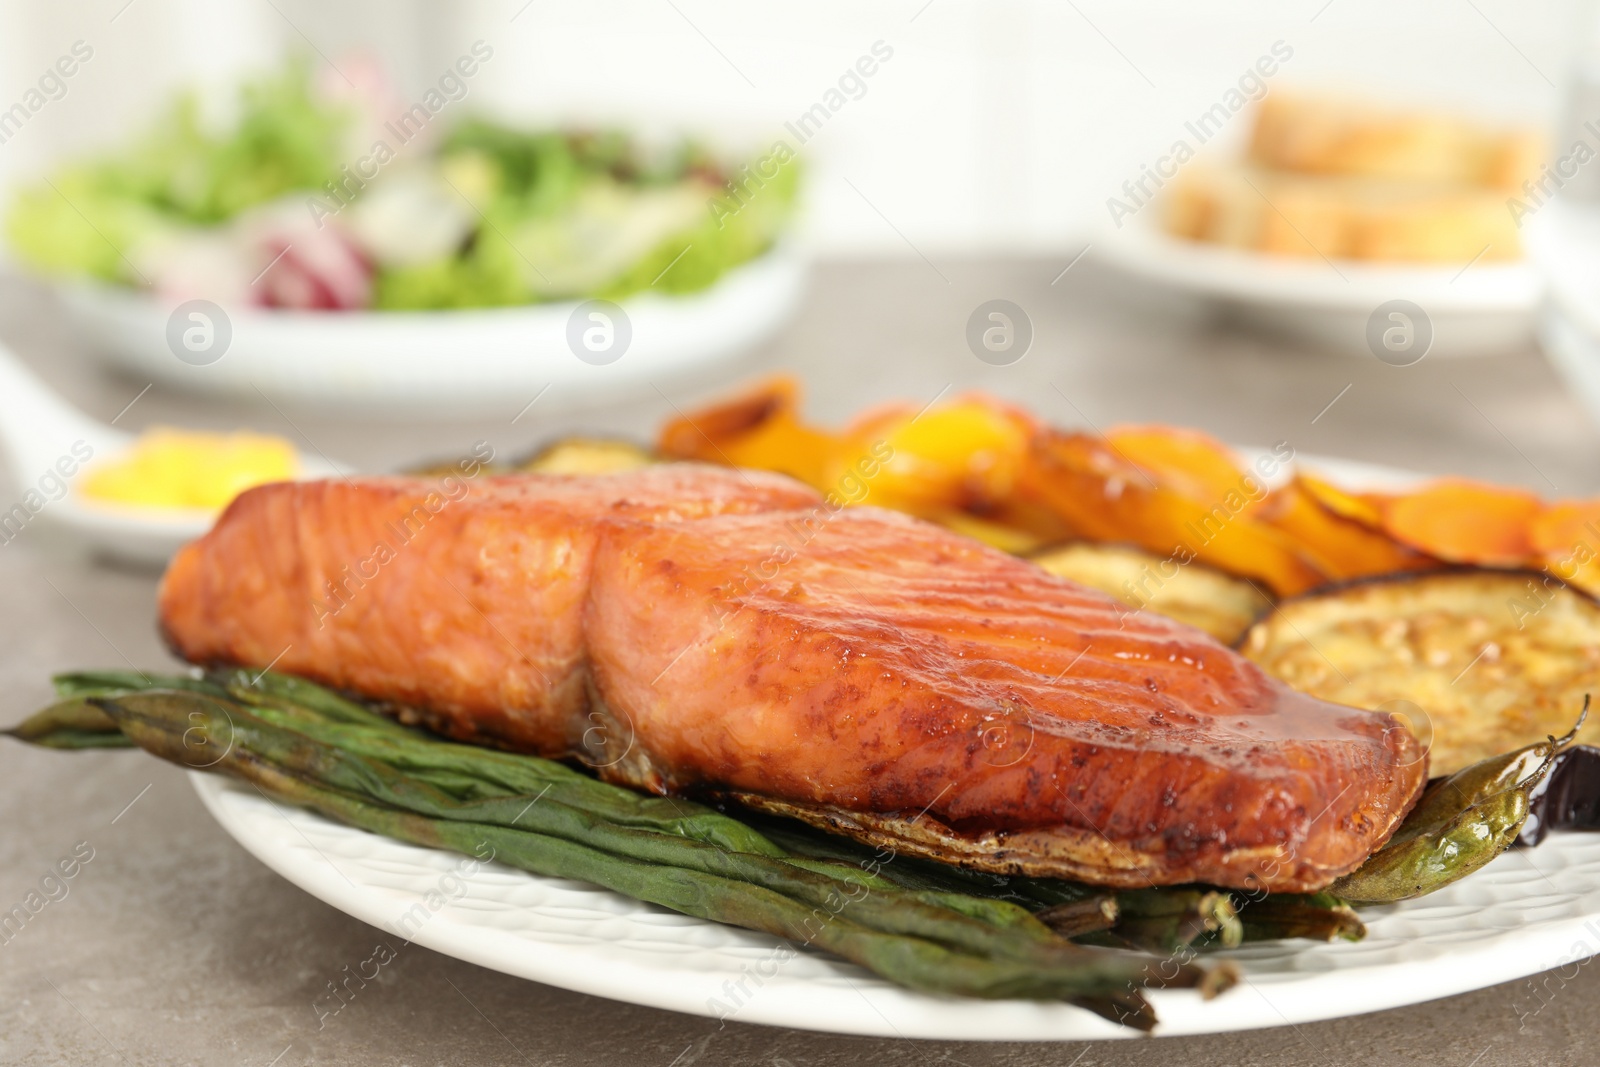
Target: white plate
x=1526, y=912
x=1521, y=914
x=1477, y=309
x=42, y=433
x=442, y=363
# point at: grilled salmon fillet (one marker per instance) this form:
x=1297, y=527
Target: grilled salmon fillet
x=694, y=630
x=460, y=601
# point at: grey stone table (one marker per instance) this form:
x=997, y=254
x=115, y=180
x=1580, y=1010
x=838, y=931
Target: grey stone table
x=173, y=946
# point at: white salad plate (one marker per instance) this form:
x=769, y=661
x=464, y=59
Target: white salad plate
x=1528, y=911
x=48, y=445
x=1472, y=309
x=442, y=363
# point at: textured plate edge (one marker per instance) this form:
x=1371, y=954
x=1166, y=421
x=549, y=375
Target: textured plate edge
x=462, y=941
x=1223, y=272
x=1316, y=997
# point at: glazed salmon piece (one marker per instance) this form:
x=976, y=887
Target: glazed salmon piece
x=700, y=630
x=459, y=599
x=879, y=676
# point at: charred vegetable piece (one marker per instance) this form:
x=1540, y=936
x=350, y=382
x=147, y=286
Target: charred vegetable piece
x=1569, y=798
x=1096, y=913
x=1317, y=916
x=1361, y=508
x=1223, y=607
x=1191, y=462
x=760, y=428
x=1461, y=823
x=1481, y=661
x=1169, y=920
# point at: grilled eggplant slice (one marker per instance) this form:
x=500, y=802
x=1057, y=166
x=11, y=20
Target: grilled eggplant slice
x=1484, y=661
x=587, y=455
x=1201, y=596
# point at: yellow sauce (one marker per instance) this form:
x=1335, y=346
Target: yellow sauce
x=167, y=468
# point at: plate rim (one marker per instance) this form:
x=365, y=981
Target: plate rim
x=1141, y=247
x=148, y=302
x=1304, y=997
x=446, y=364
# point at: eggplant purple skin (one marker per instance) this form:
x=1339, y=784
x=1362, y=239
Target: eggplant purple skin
x=1569, y=799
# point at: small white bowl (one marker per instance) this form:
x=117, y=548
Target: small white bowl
x=49, y=445
x=1479, y=309
x=441, y=363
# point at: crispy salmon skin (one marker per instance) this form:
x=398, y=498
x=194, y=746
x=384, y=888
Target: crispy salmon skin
x=712, y=632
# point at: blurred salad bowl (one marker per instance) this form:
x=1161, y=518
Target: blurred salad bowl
x=321, y=249
x=438, y=363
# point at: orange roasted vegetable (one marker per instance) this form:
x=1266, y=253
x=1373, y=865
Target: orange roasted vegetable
x=760, y=428
x=1186, y=460
x=1341, y=547
x=959, y=457
x=962, y=455
x=1465, y=522
x=1106, y=498
x=1566, y=538
x=1364, y=508
x=990, y=470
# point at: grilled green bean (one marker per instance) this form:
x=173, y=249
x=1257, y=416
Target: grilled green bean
x=925, y=939
x=1461, y=823
x=1318, y=916
x=72, y=723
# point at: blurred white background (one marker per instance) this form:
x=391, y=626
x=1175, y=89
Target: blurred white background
x=996, y=126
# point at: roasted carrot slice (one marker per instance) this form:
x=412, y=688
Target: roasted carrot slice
x=1465, y=522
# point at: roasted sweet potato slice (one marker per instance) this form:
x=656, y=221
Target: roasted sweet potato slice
x=1341, y=547
x=1566, y=538
x=1190, y=462
x=1484, y=660
x=1465, y=522
x=1363, y=508
x=964, y=454
x=1105, y=498
x=760, y=428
